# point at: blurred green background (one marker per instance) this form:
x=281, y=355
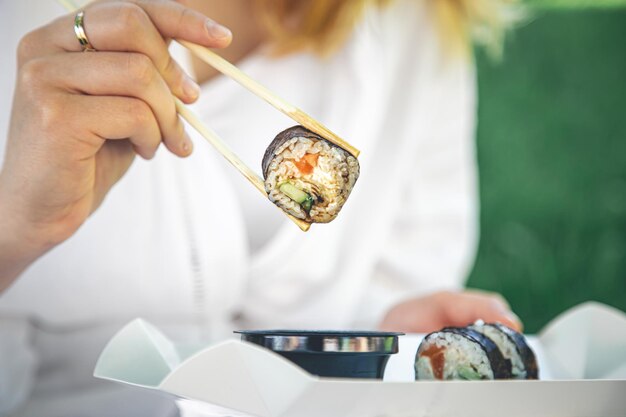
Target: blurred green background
x=552, y=158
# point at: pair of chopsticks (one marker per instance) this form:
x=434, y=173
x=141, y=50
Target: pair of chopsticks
x=253, y=86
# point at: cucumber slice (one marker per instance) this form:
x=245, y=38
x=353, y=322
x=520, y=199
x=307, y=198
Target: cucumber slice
x=293, y=192
x=468, y=373
x=301, y=197
x=307, y=204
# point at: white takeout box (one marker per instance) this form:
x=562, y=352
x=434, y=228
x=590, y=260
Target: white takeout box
x=581, y=354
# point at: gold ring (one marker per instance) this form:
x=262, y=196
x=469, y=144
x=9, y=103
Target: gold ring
x=79, y=29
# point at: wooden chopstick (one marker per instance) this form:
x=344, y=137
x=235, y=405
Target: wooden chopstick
x=212, y=137
x=68, y=5
x=259, y=90
x=217, y=143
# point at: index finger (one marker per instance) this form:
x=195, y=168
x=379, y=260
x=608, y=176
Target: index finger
x=174, y=20
x=141, y=27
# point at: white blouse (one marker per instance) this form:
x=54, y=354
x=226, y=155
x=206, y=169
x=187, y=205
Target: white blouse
x=191, y=246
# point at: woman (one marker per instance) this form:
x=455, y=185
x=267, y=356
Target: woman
x=186, y=243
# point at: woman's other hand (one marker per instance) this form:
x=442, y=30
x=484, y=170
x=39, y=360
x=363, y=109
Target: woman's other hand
x=78, y=119
x=447, y=308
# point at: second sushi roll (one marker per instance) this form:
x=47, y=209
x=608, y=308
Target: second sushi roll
x=481, y=351
x=513, y=347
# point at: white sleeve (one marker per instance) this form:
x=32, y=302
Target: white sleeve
x=18, y=364
x=432, y=239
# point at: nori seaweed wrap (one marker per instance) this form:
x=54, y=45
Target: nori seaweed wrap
x=513, y=346
x=307, y=176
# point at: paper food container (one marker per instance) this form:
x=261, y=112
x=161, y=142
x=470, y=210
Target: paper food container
x=581, y=355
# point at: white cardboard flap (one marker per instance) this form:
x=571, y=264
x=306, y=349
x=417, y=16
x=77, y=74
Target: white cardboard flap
x=327, y=398
x=233, y=370
x=587, y=342
x=139, y=354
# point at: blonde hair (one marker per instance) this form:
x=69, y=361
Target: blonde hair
x=322, y=26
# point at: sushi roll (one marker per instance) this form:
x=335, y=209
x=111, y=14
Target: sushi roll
x=513, y=346
x=307, y=176
x=460, y=353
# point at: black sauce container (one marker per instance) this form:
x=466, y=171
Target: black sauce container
x=335, y=354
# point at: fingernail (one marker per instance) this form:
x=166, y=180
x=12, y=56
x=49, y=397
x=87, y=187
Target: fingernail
x=191, y=88
x=217, y=31
x=514, y=318
x=187, y=145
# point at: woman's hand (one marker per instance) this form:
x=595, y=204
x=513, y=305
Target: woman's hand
x=79, y=118
x=433, y=312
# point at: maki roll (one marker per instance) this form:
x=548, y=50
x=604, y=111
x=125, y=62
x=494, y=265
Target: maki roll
x=460, y=353
x=307, y=176
x=513, y=346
